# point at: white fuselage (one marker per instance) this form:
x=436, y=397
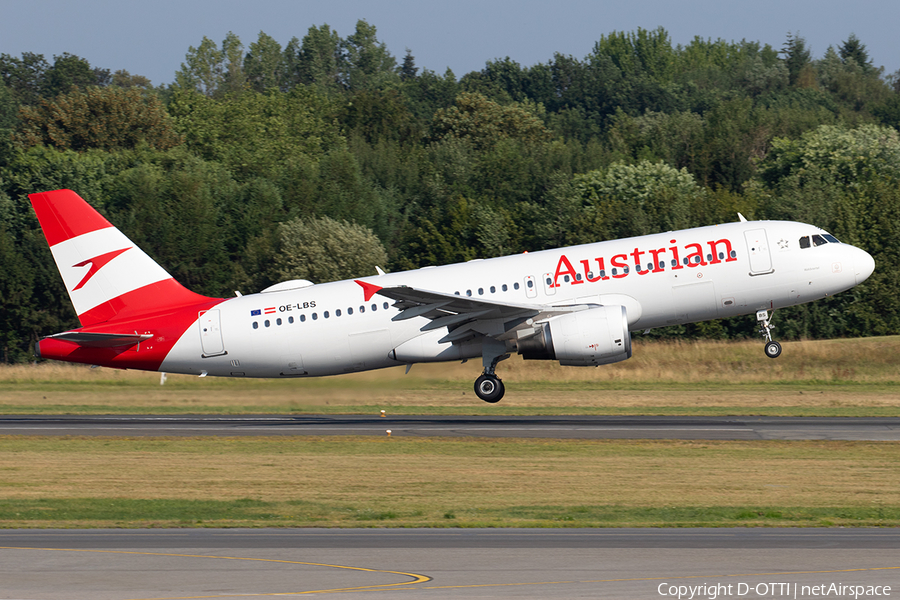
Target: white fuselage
x=326, y=329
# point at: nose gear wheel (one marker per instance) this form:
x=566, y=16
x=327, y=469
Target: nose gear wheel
x=772, y=348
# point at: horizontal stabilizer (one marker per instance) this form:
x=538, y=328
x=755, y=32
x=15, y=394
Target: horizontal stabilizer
x=100, y=340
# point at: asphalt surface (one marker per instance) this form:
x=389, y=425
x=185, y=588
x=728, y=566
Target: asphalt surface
x=451, y=563
x=563, y=427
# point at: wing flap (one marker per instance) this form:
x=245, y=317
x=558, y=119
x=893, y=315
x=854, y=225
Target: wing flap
x=466, y=317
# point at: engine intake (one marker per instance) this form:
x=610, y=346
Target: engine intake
x=597, y=336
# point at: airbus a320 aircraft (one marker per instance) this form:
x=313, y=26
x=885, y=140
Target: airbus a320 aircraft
x=576, y=305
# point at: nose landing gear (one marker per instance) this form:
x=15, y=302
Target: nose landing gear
x=772, y=348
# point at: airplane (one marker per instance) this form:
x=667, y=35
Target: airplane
x=577, y=305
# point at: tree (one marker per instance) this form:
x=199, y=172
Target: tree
x=500, y=80
x=367, y=63
x=798, y=59
x=124, y=79
x=327, y=250
x=255, y=134
x=846, y=157
x=69, y=70
x=8, y=120
x=105, y=118
x=319, y=58
x=853, y=51
x=429, y=91
x=408, y=69
x=264, y=64
x=484, y=123
x=233, y=71
x=643, y=52
x=639, y=199
x=24, y=76
x=203, y=69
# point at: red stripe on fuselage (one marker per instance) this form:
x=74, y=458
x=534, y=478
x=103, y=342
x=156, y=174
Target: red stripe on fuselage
x=64, y=215
x=166, y=325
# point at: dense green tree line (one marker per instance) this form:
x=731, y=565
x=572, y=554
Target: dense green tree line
x=261, y=159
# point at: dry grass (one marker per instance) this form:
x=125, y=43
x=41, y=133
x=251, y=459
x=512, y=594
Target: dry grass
x=419, y=482
x=861, y=360
x=835, y=377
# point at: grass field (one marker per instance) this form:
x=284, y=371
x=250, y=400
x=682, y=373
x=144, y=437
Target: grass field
x=859, y=377
x=404, y=482
x=459, y=482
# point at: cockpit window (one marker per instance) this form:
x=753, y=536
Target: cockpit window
x=818, y=240
x=804, y=241
x=831, y=238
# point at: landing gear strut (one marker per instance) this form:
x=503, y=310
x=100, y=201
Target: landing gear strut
x=772, y=348
x=488, y=386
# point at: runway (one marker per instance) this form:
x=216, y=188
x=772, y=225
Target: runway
x=561, y=427
x=450, y=563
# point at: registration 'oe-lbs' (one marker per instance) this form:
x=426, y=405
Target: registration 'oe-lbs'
x=576, y=305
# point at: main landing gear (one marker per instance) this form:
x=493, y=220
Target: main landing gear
x=488, y=386
x=772, y=348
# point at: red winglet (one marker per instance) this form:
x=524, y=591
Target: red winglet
x=369, y=289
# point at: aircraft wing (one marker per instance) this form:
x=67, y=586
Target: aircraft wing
x=467, y=317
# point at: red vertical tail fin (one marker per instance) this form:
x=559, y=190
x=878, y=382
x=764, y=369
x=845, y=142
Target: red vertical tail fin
x=107, y=276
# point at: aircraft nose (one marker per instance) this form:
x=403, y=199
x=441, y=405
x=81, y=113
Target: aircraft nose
x=865, y=266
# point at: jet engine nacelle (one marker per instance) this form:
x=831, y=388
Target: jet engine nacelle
x=597, y=336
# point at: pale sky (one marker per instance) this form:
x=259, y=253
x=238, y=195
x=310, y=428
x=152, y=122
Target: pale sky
x=151, y=37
